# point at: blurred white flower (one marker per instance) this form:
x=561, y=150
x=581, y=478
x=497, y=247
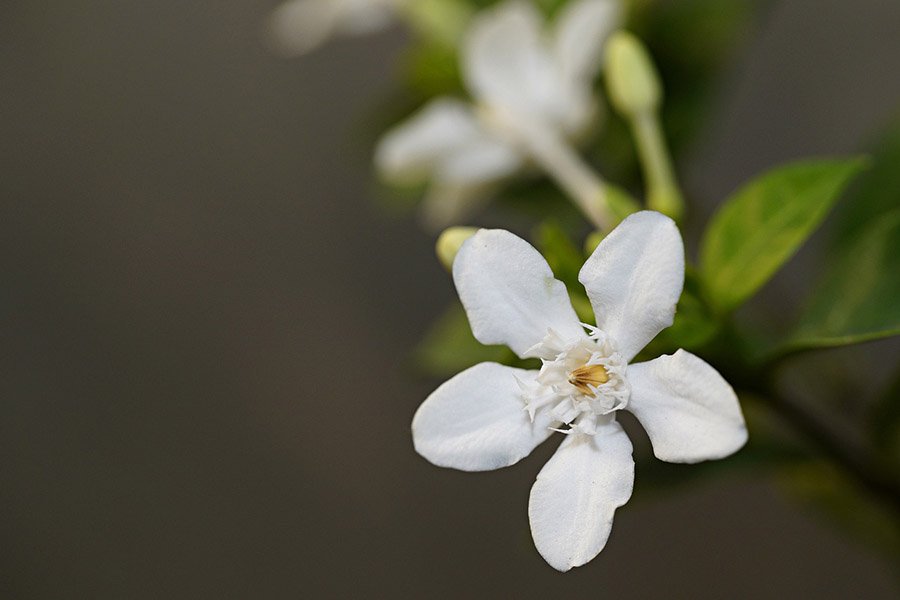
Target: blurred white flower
x=491, y=416
x=532, y=87
x=299, y=26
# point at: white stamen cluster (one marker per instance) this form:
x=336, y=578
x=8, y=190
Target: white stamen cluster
x=555, y=391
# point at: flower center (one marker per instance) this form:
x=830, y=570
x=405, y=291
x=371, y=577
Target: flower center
x=588, y=375
x=582, y=381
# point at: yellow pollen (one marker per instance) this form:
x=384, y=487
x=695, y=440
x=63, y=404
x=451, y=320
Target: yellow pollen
x=588, y=375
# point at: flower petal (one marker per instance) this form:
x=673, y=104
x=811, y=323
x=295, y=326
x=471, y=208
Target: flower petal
x=359, y=17
x=445, y=141
x=689, y=411
x=477, y=420
x=412, y=150
x=581, y=31
x=299, y=26
x=484, y=159
x=507, y=63
x=634, y=279
x=509, y=292
x=576, y=494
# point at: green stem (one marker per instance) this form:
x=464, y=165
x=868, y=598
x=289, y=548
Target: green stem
x=663, y=193
x=548, y=149
x=588, y=192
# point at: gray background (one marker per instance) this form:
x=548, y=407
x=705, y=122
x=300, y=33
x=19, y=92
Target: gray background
x=206, y=319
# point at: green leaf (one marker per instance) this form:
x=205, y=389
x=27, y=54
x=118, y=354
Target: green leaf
x=449, y=347
x=764, y=223
x=877, y=192
x=859, y=298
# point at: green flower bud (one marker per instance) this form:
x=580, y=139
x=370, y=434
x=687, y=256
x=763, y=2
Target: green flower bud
x=631, y=79
x=449, y=243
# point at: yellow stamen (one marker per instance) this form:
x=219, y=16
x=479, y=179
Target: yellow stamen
x=588, y=375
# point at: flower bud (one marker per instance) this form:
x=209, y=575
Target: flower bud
x=631, y=79
x=449, y=243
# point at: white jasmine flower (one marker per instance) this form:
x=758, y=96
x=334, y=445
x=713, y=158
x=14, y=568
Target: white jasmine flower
x=533, y=93
x=300, y=26
x=491, y=416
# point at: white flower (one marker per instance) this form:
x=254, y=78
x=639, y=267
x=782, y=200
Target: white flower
x=299, y=26
x=533, y=94
x=491, y=416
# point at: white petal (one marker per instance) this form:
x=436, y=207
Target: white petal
x=576, y=493
x=509, y=292
x=507, y=63
x=299, y=26
x=414, y=149
x=689, y=411
x=477, y=421
x=634, y=279
x=581, y=31
x=483, y=159
x=359, y=17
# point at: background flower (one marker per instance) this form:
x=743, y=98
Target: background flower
x=300, y=26
x=521, y=76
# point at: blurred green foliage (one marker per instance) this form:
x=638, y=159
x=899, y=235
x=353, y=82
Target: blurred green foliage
x=857, y=298
x=449, y=347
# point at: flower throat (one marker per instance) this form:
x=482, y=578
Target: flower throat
x=583, y=378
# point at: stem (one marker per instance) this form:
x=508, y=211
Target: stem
x=575, y=177
x=559, y=160
x=663, y=193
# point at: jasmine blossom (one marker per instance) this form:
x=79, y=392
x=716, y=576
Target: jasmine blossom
x=491, y=416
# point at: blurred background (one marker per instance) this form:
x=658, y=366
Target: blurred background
x=207, y=321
